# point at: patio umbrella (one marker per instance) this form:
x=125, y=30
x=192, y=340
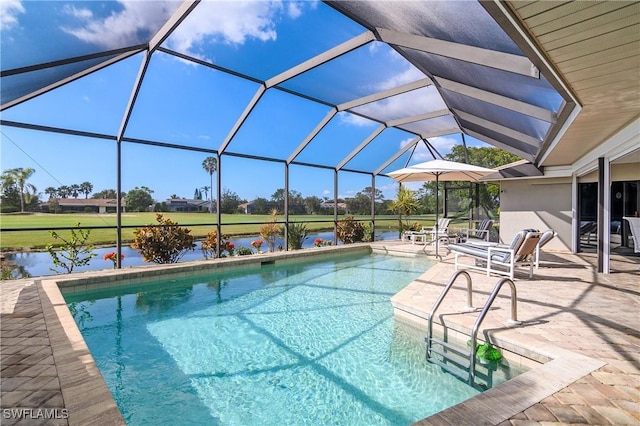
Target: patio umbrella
x=440, y=170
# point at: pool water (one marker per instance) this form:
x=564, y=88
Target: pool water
x=305, y=343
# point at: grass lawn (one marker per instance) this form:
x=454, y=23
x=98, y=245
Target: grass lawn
x=199, y=223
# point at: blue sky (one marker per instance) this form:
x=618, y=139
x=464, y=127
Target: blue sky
x=187, y=104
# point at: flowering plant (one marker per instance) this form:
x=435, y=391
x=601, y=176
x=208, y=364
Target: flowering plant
x=318, y=242
x=230, y=247
x=257, y=244
x=113, y=257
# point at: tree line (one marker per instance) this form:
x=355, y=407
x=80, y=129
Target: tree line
x=17, y=194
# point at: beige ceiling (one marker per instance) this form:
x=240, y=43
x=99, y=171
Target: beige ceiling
x=595, y=47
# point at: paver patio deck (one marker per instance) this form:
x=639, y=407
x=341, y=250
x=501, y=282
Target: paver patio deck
x=587, y=324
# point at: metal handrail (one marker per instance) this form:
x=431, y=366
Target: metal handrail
x=485, y=309
x=444, y=292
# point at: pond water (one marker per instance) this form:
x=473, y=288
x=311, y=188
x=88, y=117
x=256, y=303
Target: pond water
x=39, y=263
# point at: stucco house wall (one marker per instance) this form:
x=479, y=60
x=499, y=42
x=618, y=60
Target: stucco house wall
x=537, y=203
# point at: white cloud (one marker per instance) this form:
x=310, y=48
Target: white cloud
x=233, y=23
x=294, y=10
x=9, y=11
x=416, y=102
x=77, y=13
x=230, y=22
x=132, y=25
x=407, y=76
x=354, y=120
x=443, y=144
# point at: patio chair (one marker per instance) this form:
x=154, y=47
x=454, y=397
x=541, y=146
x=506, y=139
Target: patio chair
x=546, y=236
x=634, y=225
x=588, y=229
x=428, y=234
x=482, y=232
x=521, y=252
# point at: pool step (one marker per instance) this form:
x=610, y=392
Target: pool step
x=456, y=360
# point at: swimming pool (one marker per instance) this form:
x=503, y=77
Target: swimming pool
x=311, y=342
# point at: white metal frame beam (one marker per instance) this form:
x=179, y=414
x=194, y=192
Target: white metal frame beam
x=476, y=55
x=418, y=84
x=449, y=131
x=312, y=135
x=320, y=59
x=178, y=16
x=508, y=148
x=420, y=117
x=502, y=101
x=490, y=125
x=243, y=117
x=69, y=79
x=360, y=147
x=397, y=155
x=134, y=95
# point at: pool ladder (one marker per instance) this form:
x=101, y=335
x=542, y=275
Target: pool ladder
x=464, y=358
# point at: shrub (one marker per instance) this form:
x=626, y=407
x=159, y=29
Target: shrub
x=270, y=231
x=368, y=232
x=297, y=234
x=163, y=243
x=243, y=251
x=210, y=245
x=350, y=230
x=74, y=250
x=88, y=209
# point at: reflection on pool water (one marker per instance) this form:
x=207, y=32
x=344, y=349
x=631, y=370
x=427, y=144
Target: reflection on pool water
x=300, y=343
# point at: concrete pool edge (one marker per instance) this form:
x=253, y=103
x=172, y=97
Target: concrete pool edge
x=559, y=369
x=86, y=396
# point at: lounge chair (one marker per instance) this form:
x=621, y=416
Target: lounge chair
x=634, y=225
x=427, y=234
x=521, y=252
x=546, y=236
x=588, y=230
x=481, y=233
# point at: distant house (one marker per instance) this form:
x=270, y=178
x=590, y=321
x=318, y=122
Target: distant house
x=81, y=205
x=250, y=207
x=186, y=205
x=330, y=204
x=247, y=208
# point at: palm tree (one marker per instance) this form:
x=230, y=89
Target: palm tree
x=405, y=203
x=19, y=178
x=63, y=191
x=51, y=192
x=210, y=164
x=86, y=188
x=75, y=190
x=205, y=189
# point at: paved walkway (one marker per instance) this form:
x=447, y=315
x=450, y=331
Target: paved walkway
x=586, y=324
